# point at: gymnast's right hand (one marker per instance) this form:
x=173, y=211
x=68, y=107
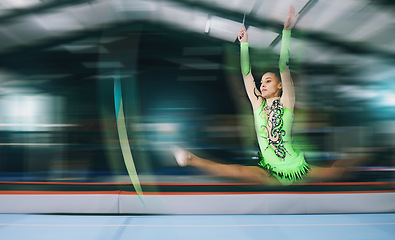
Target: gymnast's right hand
x=243, y=36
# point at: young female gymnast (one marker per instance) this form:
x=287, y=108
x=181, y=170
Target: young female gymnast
x=273, y=106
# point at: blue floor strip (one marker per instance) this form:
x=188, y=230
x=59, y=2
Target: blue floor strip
x=202, y=227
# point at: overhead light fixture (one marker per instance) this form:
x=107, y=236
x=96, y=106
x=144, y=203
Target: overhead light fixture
x=260, y=38
x=10, y=4
x=208, y=24
x=223, y=28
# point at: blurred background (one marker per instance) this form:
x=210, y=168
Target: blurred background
x=178, y=61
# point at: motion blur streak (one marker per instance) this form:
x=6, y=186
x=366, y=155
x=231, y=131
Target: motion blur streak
x=179, y=63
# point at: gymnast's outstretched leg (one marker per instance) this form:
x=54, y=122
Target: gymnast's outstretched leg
x=353, y=157
x=253, y=174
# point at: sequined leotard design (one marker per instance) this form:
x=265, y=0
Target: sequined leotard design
x=273, y=127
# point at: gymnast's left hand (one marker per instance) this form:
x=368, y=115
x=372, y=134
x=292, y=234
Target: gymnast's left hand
x=291, y=19
x=243, y=35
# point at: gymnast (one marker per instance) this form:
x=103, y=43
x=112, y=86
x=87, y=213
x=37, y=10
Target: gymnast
x=273, y=109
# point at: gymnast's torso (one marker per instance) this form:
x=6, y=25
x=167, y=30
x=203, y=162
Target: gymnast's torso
x=273, y=126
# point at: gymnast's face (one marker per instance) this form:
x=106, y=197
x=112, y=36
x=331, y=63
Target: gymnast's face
x=270, y=85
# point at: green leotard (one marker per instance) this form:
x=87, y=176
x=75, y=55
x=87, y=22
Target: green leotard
x=273, y=128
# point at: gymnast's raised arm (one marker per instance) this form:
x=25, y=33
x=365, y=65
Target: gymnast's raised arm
x=249, y=83
x=288, y=95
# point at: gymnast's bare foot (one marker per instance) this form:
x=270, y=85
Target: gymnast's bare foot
x=182, y=156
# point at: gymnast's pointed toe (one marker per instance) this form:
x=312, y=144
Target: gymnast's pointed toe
x=181, y=156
